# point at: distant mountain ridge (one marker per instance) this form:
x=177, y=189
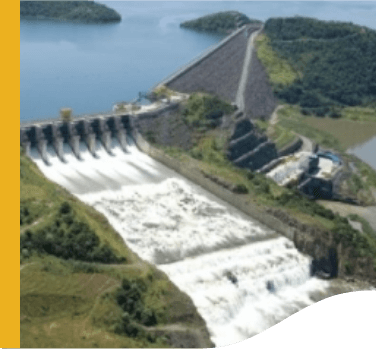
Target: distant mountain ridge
x=72, y=11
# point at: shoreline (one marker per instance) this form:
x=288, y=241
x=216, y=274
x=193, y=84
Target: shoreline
x=82, y=11
x=64, y=20
x=354, y=151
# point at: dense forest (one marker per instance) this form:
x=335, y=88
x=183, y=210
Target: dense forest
x=334, y=61
x=77, y=11
x=221, y=22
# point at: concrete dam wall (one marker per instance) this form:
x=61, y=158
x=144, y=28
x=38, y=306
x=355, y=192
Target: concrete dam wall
x=58, y=134
x=243, y=272
x=219, y=73
x=248, y=148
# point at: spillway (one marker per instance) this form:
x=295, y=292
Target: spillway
x=242, y=277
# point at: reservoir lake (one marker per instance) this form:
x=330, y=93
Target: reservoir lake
x=90, y=67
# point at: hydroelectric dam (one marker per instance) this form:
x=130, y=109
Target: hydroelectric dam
x=242, y=276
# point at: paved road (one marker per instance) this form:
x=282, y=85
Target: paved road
x=245, y=73
x=307, y=145
x=274, y=116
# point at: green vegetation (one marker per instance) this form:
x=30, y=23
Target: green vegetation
x=69, y=238
x=366, y=227
x=294, y=200
x=221, y=22
x=204, y=112
x=64, y=306
x=70, y=295
x=162, y=92
x=367, y=173
x=280, y=72
x=280, y=135
x=348, y=133
x=291, y=118
x=77, y=11
x=66, y=114
x=362, y=183
x=339, y=134
x=41, y=203
x=323, y=69
x=334, y=63
x=360, y=114
x=130, y=297
x=363, y=245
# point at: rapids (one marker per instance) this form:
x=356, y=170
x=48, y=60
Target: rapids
x=242, y=277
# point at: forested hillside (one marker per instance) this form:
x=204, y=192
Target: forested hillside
x=221, y=22
x=78, y=11
x=333, y=63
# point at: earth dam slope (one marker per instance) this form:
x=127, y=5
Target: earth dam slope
x=219, y=73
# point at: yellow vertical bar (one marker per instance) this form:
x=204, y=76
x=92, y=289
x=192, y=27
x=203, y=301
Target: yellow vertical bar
x=10, y=180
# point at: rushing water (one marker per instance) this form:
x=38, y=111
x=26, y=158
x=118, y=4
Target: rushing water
x=91, y=67
x=242, y=277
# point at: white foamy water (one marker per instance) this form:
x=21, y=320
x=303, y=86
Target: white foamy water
x=242, y=277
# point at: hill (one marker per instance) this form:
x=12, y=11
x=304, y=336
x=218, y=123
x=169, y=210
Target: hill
x=76, y=11
x=82, y=287
x=221, y=22
x=321, y=66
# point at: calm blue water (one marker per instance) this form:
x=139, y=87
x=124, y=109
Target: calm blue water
x=366, y=152
x=91, y=67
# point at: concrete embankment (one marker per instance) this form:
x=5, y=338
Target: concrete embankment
x=218, y=72
x=258, y=95
x=294, y=146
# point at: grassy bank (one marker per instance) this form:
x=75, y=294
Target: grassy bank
x=280, y=135
x=280, y=72
x=357, y=126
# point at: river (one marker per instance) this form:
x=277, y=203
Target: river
x=90, y=67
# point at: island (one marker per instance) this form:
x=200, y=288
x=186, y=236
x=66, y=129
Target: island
x=72, y=11
x=220, y=22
